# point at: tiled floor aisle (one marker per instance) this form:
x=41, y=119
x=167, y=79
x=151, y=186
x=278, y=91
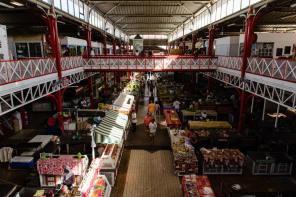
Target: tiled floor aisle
x=151, y=175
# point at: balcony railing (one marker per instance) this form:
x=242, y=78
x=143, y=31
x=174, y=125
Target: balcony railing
x=268, y=67
x=161, y=63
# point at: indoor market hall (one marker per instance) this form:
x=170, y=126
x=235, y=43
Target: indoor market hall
x=158, y=98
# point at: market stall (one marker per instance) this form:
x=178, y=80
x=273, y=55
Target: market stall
x=94, y=184
x=209, y=125
x=51, y=169
x=111, y=133
x=197, y=186
x=269, y=163
x=123, y=103
x=185, y=160
x=171, y=117
x=197, y=113
x=222, y=161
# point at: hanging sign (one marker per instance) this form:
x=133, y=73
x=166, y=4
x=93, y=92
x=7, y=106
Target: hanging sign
x=79, y=90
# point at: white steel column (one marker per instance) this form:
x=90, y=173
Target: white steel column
x=263, y=114
x=277, y=116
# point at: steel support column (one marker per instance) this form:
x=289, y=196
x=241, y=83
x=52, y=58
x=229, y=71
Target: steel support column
x=88, y=39
x=183, y=45
x=106, y=84
x=105, y=45
x=119, y=45
x=91, y=90
x=211, y=40
x=193, y=43
x=114, y=46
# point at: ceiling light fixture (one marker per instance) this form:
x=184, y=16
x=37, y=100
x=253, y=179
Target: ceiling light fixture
x=5, y=5
x=16, y=3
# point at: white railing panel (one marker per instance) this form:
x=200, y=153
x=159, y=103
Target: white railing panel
x=279, y=69
x=291, y=71
x=140, y=63
x=3, y=73
x=176, y=63
x=168, y=64
x=149, y=63
x=132, y=64
x=204, y=63
x=114, y=63
x=195, y=64
x=105, y=63
x=186, y=63
x=267, y=67
x=159, y=63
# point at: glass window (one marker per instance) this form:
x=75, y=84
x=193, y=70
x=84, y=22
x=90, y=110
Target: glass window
x=86, y=13
x=71, y=7
x=65, y=5
x=218, y=15
x=224, y=8
x=245, y=3
x=35, y=50
x=57, y=4
x=76, y=8
x=214, y=12
x=203, y=19
x=21, y=50
x=254, y=1
x=236, y=5
x=81, y=10
x=229, y=7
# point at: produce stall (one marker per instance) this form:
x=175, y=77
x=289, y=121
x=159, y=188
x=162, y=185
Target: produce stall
x=111, y=133
x=269, y=163
x=123, y=103
x=94, y=184
x=209, y=125
x=51, y=169
x=222, y=161
x=197, y=113
x=197, y=186
x=185, y=160
x=171, y=117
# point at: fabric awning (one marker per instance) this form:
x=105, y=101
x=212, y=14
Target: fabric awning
x=111, y=129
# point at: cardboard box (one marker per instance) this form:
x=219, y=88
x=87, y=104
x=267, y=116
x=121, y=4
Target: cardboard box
x=176, y=52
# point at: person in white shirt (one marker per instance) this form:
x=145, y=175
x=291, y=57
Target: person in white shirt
x=92, y=52
x=176, y=104
x=152, y=127
x=137, y=53
x=204, y=115
x=134, y=121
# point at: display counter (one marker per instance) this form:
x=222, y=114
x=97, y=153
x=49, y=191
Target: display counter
x=209, y=125
x=222, y=161
x=123, y=103
x=185, y=160
x=171, y=117
x=51, y=170
x=93, y=183
x=197, y=186
x=269, y=163
x=197, y=113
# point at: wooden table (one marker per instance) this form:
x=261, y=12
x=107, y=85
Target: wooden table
x=209, y=125
x=172, y=123
x=197, y=113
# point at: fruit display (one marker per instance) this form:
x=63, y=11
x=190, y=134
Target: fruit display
x=172, y=118
x=99, y=188
x=197, y=186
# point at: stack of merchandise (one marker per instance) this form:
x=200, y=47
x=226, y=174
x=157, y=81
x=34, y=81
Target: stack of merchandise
x=90, y=179
x=223, y=158
x=184, y=157
x=99, y=188
x=197, y=186
x=206, y=134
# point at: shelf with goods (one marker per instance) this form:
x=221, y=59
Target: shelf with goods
x=197, y=186
x=269, y=163
x=51, y=169
x=222, y=161
x=185, y=160
x=94, y=184
x=171, y=117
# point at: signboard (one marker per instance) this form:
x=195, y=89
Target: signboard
x=66, y=81
x=78, y=90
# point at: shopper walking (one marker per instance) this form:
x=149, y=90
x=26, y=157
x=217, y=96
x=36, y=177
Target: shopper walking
x=151, y=108
x=147, y=121
x=134, y=122
x=152, y=127
x=176, y=104
x=157, y=107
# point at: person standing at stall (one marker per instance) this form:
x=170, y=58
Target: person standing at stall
x=68, y=177
x=134, y=121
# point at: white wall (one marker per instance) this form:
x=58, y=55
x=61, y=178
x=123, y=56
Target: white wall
x=4, y=53
x=280, y=40
x=227, y=46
